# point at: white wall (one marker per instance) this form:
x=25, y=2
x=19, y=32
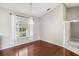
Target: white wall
x=52, y=26
x=36, y=28
x=5, y=29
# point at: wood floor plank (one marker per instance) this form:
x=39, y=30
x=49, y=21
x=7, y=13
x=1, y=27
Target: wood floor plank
x=37, y=48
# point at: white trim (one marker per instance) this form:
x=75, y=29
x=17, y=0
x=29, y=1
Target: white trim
x=77, y=20
x=12, y=29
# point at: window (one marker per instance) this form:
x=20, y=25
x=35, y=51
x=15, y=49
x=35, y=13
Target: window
x=21, y=27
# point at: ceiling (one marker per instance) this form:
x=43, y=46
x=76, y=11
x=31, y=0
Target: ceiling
x=34, y=9
x=68, y=5
x=40, y=9
x=18, y=7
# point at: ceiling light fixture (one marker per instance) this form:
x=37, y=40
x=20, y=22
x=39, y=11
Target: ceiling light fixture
x=30, y=3
x=48, y=9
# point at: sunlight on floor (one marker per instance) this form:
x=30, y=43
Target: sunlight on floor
x=22, y=52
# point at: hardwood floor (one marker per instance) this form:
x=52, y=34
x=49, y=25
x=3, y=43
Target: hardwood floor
x=37, y=48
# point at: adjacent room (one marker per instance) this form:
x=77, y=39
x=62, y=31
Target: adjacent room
x=39, y=29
